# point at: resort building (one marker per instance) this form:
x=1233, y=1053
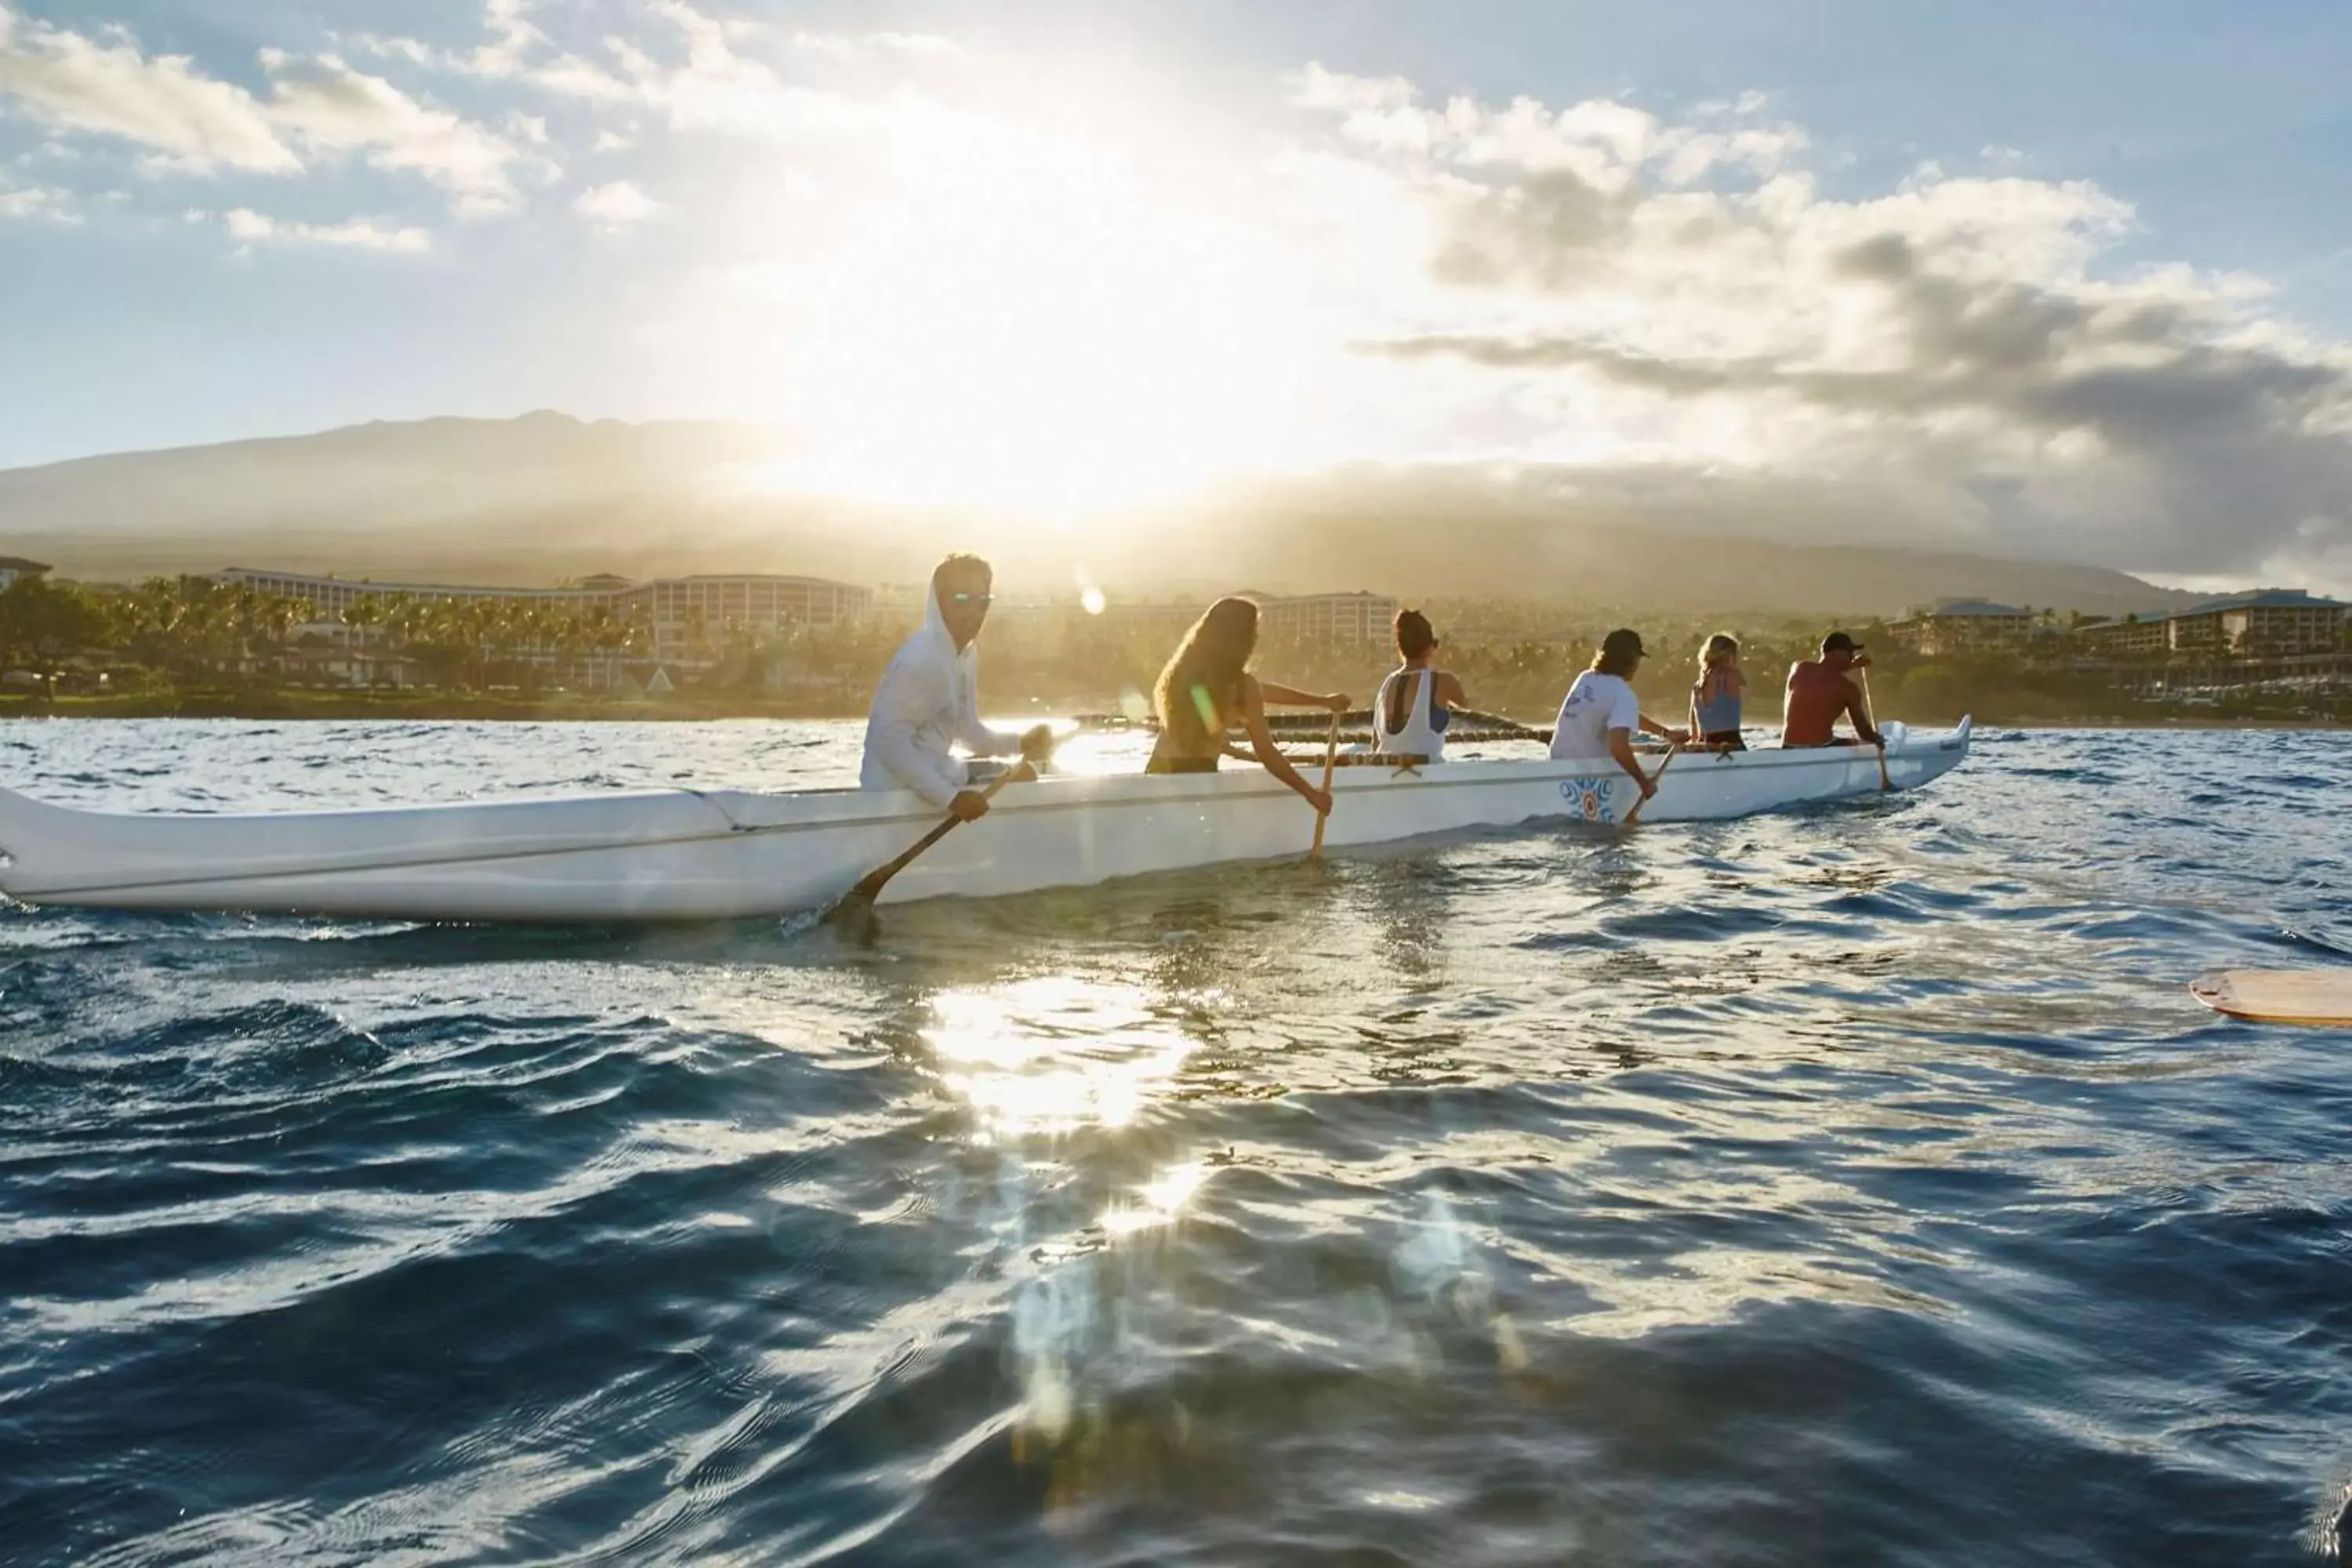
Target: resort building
x=690, y=614
x=332, y=596
x=2264, y=622
x=2273, y=621
x=1165, y=620
x=15, y=566
x=2132, y=636
x=1958, y=625
x=1046, y=625
x=686, y=615
x=1357, y=617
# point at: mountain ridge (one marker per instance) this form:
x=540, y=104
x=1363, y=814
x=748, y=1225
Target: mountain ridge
x=545, y=496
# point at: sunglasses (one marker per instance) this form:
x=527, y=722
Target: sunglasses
x=981, y=599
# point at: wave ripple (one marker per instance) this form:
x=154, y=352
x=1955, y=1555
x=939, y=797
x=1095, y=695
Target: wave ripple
x=1853, y=1186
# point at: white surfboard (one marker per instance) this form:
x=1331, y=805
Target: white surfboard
x=2278, y=995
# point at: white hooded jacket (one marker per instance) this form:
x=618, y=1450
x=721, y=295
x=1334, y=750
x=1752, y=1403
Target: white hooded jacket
x=927, y=700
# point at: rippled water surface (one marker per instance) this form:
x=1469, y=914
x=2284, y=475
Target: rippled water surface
x=1852, y=1186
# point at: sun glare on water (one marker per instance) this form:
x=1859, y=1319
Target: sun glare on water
x=1017, y=324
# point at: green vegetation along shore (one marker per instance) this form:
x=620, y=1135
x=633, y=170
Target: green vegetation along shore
x=193, y=648
x=1990, y=702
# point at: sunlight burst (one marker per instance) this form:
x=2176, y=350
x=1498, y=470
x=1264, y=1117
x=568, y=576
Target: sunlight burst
x=1016, y=322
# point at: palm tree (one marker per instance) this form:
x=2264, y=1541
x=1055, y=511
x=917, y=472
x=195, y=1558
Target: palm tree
x=278, y=617
x=48, y=620
x=531, y=628
x=363, y=615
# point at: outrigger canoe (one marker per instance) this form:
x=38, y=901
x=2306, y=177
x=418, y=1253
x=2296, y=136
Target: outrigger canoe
x=683, y=855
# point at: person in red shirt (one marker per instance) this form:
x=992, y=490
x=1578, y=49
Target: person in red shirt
x=1820, y=692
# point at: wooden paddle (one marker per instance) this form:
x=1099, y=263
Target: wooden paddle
x=2321, y=996
x=1870, y=711
x=855, y=909
x=1330, y=757
x=1674, y=748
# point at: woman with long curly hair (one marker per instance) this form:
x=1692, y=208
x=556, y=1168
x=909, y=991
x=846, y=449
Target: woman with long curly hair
x=1207, y=688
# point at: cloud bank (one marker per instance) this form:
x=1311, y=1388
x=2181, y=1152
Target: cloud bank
x=616, y=205
x=318, y=108
x=1671, y=313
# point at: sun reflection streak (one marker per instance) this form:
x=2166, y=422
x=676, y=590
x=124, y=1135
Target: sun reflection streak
x=1055, y=1054
x=1162, y=1200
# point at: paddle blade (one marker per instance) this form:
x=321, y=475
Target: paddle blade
x=2316, y=997
x=853, y=916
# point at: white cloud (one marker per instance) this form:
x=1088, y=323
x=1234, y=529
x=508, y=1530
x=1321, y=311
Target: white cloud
x=513, y=35
x=71, y=82
x=515, y=49
x=334, y=108
x=45, y=201
x=1690, y=156
x=252, y=228
x=850, y=47
x=718, y=88
x=1601, y=293
x=1316, y=88
x=377, y=43
x=613, y=141
x=616, y=206
x=190, y=123
x=1752, y=101
x=569, y=76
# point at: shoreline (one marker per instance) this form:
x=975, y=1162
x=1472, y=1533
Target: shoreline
x=679, y=707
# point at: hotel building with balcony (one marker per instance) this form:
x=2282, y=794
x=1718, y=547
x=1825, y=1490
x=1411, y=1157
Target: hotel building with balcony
x=680, y=611
x=2265, y=622
x=1954, y=626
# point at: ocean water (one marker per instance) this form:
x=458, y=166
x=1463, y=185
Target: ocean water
x=1854, y=1186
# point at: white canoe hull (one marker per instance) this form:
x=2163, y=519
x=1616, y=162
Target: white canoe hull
x=682, y=855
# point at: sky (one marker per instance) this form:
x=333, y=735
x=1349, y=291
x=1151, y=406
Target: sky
x=2067, y=282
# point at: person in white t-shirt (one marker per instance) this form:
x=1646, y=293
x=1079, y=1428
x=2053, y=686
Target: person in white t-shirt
x=1600, y=713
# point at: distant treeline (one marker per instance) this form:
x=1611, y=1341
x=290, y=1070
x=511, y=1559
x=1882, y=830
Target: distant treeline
x=195, y=645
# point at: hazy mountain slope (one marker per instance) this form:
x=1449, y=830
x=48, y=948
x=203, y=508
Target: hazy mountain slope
x=545, y=497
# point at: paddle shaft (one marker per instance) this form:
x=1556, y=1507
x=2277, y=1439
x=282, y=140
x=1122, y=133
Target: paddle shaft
x=1497, y=721
x=870, y=886
x=1357, y=721
x=1330, y=758
x=1673, y=749
x=1870, y=711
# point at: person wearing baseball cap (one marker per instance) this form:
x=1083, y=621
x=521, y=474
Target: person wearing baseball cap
x=1600, y=712
x=1820, y=692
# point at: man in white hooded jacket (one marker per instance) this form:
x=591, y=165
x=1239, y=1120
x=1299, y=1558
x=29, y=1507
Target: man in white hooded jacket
x=928, y=699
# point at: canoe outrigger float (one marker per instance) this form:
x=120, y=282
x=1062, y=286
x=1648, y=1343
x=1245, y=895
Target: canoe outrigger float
x=679, y=855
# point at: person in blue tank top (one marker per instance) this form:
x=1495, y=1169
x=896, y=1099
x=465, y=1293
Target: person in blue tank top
x=1714, y=696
